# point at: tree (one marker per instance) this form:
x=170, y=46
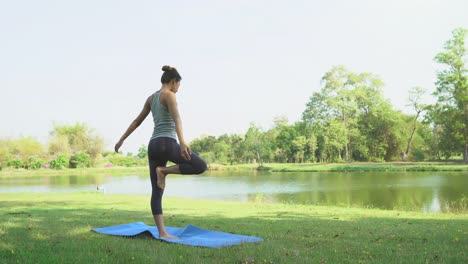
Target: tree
x=59, y=144
x=236, y=149
x=256, y=145
x=344, y=118
x=142, y=152
x=26, y=148
x=203, y=144
x=4, y=153
x=450, y=112
x=415, y=95
x=284, y=136
x=339, y=85
x=335, y=139
x=299, y=145
x=80, y=138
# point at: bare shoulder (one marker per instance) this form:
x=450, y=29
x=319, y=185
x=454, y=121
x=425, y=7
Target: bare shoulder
x=168, y=96
x=149, y=101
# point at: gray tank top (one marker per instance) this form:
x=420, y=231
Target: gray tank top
x=164, y=125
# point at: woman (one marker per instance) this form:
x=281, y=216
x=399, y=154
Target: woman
x=163, y=146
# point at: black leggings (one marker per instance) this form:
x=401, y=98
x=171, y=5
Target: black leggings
x=160, y=151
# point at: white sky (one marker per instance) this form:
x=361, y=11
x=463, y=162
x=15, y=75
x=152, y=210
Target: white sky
x=241, y=61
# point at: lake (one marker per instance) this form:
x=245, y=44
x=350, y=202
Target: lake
x=416, y=191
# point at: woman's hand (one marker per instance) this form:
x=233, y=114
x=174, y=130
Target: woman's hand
x=118, y=145
x=185, y=151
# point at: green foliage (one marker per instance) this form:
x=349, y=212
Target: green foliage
x=350, y=119
x=142, y=152
x=35, y=163
x=75, y=139
x=80, y=160
x=60, y=162
x=24, y=148
x=119, y=160
x=4, y=153
x=226, y=149
x=208, y=157
x=15, y=163
x=450, y=113
x=59, y=144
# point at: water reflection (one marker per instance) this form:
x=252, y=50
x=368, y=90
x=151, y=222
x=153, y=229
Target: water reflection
x=421, y=191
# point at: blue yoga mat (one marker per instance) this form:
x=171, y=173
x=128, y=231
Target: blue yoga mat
x=189, y=235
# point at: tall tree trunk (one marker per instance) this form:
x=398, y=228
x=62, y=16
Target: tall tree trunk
x=465, y=153
x=408, y=146
x=415, y=123
x=465, y=131
x=347, y=152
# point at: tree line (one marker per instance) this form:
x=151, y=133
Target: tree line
x=347, y=119
x=70, y=146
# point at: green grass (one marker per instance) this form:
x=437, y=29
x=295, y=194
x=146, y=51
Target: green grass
x=359, y=166
x=8, y=173
x=275, y=167
x=55, y=228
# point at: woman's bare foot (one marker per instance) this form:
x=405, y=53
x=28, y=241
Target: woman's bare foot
x=168, y=236
x=161, y=178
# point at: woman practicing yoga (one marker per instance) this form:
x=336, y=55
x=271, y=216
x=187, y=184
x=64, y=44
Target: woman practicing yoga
x=163, y=146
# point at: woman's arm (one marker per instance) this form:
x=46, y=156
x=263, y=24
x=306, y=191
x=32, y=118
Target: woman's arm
x=171, y=103
x=136, y=123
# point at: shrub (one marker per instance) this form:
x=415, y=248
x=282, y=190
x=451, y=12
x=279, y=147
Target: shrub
x=16, y=163
x=80, y=160
x=35, y=163
x=119, y=160
x=418, y=155
x=59, y=162
x=142, y=162
x=0, y=167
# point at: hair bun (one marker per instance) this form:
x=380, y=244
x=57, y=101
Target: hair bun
x=167, y=68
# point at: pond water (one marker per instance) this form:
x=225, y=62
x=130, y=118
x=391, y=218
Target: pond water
x=416, y=191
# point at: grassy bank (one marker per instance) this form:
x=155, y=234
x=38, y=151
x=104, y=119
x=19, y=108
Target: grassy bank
x=274, y=167
x=7, y=173
x=359, y=166
x=55, y=228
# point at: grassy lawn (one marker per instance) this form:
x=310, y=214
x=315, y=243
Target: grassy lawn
x=55, y=228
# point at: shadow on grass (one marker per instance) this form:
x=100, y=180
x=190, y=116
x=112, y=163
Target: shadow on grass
x=54, y=234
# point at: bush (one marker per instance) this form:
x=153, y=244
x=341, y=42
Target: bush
x=418, y=155
x=35, y=163
x=119, y=160
x=80, y=160
x=142, y=162
x=16, y=163
x=0, y=167
x=59, y=162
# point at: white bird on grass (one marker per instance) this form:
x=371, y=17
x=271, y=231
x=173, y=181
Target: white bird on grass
x=100, y=189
